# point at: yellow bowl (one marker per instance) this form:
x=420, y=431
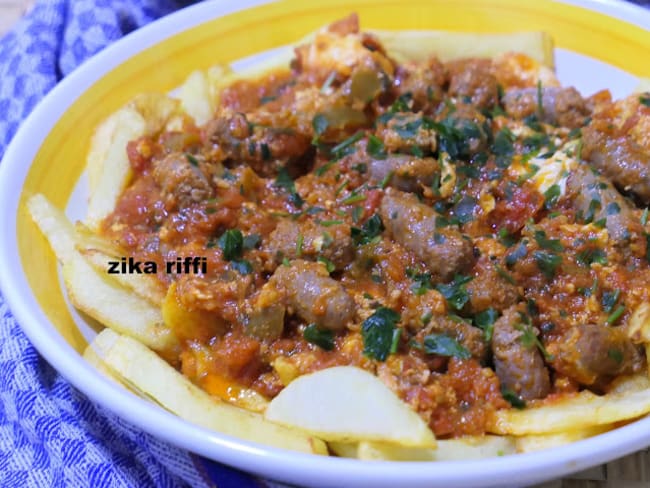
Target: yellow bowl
x=48, y=156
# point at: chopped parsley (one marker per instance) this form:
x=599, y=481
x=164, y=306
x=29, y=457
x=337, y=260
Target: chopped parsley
x=551, y=196
x=464, y=209
x=231, y=243
x=546, y=243
x=645, y=100
x=380, y=334
x=319, y=124
x=609, y=299
x=191, y=159
x=443, y=345
x=616, y=355
x=375, y=147
x=504, y=274
x=328, y=223
x=547, y=262
x=251, y=241
x=323, y=338
x=344, y=148
x=485, y=320
x=590, y=256
x=299, y=242
x=421, y=282
x=520, y=252
x=503, y=147
x=515, y=400
x=528, y=337
x=455, y=292
x=329, y=265
x=242, y=266
x=284, y=181
x=616, y=314
x=369, y=231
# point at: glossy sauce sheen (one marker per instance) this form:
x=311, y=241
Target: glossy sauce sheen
x=392, y=218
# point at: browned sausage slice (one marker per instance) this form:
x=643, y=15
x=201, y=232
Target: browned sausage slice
x=445, y=251
x=519, y=366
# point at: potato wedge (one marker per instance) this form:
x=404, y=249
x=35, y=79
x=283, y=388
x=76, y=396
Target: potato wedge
x=348, y=404
x=629, y=401
x=479, y=447
x=116, y=307
x=532, y=443
x=142, y=370
x=54, y=225
x=107, y=163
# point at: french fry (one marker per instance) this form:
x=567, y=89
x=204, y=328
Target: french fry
x=344, y=449
x=96, y=362
x=116, y=307
x=580, y=411
x=108, y=165
x=85, y=238
x=479, y=447
x=145, y=286
x=446, y=45
x=531, y=443
x=141, y=369
x=54, y=225
x=195, y=97
x=348, y=404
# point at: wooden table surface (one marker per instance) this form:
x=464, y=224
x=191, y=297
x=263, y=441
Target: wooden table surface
x=632, y=471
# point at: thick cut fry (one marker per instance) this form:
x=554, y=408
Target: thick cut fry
x=145, y=286
x=532, y=443
x=107, y=163
x=447, y=450
x=96, y=362
x=446, y=45
x=54, y=225
x=116, y=307
x=344, y=449
x=142, y=370
x=195, y=97
x=87, y=239
x=577, y=412
x=345, y=403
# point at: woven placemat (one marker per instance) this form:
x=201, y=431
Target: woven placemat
x=632, y=471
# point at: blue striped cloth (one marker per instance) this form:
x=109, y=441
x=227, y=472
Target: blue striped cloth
x=50, y=433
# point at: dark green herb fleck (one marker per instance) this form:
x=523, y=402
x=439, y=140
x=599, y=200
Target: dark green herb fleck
x=378, y=332
x=443, y=345
x=323, y=338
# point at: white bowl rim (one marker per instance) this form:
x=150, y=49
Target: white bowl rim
x=274, y=463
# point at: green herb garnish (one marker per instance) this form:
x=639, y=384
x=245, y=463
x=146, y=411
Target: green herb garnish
x=370, y=230
x=323, y=338
x=443, y=345
x=455, y=292
x=547, y=262
x=378, y=332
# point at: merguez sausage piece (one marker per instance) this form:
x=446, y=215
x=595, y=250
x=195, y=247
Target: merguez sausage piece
x=313, y=295
x=519, y=366
x=445, y=251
